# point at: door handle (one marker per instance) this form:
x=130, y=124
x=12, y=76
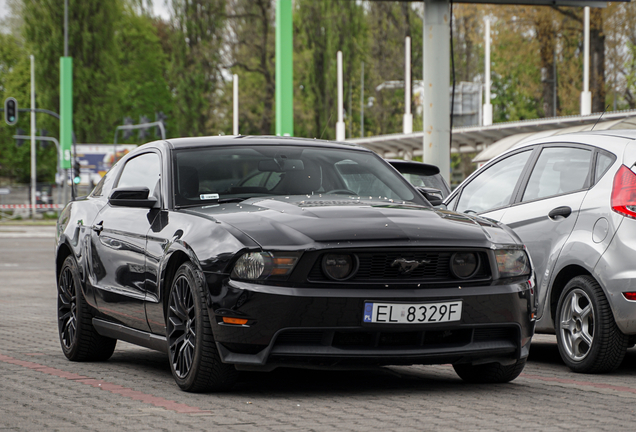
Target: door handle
x=99, y=227
x=560, y=212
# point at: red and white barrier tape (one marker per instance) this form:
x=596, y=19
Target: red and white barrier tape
x=28, y=206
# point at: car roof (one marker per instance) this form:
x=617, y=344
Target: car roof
x=610, y=140
x=250, y=140
x=622, y=134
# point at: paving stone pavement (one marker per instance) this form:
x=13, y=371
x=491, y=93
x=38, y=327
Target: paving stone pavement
x=134, y=390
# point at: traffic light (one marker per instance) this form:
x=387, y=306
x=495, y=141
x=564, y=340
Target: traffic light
x=76, y=172
x=160, y=117
x=143, y=131
x=127, y=132
x=43, y=143
x=11, y=111
x=19, y=142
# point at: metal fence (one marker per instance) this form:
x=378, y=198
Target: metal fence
x=15, y=200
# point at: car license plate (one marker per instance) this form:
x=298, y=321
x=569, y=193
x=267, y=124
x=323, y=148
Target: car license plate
x=413, y=313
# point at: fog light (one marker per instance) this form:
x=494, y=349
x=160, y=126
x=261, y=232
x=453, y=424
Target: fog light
x=464, y=264
x=339, y=267
x=239, y=321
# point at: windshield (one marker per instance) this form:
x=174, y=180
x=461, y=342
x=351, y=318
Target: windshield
x=234, y=173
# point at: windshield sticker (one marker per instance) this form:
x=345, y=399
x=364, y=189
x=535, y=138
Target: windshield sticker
x=209, y=196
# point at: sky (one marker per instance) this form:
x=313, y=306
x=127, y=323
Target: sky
x=159, y=7
x=4, y=10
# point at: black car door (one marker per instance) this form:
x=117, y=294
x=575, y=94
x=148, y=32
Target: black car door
x=118, y=246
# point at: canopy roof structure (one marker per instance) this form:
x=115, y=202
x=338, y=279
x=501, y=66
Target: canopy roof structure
x=591, y=3
x=494, y=139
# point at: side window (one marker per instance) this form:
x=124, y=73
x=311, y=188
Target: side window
x=603, y=162
x=106, y=183
x=142, y=170
x=494, y=186
x=558, y=170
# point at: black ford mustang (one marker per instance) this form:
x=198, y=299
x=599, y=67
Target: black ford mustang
x=250, y=253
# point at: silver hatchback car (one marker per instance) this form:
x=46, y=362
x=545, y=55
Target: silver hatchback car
x=572, y=200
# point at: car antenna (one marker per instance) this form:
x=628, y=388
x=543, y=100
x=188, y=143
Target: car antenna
x=599, y=118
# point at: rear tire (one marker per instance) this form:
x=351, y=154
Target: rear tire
x=490, y=373
x=588, y=338
x=194, y=359
x=79, y=339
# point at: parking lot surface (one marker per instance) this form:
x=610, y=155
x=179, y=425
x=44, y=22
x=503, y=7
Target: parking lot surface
x=134, y=390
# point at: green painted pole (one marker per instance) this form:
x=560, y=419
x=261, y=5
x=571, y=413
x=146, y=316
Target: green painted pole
x=66, y=110
x=284, y=69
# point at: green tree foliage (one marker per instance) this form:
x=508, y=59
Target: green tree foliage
x=389, y=23
x=93, y=47
x=128, y=63
x=194, y=71
x=143, y=90
x=14, y=82
x=321, y=29
x=252, y=48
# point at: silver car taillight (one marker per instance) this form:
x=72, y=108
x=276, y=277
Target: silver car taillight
x=624, y=192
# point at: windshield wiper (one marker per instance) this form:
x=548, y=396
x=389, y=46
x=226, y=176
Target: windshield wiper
x=231, y=200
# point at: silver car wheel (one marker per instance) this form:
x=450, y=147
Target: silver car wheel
x=577, y=324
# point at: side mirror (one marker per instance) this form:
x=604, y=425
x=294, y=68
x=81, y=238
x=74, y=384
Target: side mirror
x=132, y=197
x=434, y=196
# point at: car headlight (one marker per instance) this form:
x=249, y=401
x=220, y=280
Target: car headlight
x=261, y=265
x=464, y=264
x=339, y=267
x=512, y=262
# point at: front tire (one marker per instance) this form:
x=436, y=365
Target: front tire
x=194, y=359
x=588, y=338
x=490, y=373
x=79, y=339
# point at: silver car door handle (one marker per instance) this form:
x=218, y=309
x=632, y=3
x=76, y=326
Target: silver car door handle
x=560, y=212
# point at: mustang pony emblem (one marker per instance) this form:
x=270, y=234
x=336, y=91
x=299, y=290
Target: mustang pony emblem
x=407, y=266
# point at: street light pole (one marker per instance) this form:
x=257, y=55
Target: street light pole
x=407, y=121
x=235, y=93
x=487, y=116
x=586, y=96
x=362, y=101
x=340, y=126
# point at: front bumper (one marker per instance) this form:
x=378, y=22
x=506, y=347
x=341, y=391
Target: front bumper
x=324, y=326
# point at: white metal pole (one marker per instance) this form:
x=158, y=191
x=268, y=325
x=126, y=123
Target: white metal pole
x=436, y=112
x=487, y=119
x=362, y=101
x=586, y=95
x=33, y=161
x=407, y=124
x=340, y=126
x=235, y=128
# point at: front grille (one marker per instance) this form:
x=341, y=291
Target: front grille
x=489, y=334
x=375, y=339
x=378, y=267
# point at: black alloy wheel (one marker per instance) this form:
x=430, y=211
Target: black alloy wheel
x=194, y=359
x=588, y=338
x=79, y=339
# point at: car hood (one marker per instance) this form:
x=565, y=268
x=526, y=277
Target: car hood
x=305, y=222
